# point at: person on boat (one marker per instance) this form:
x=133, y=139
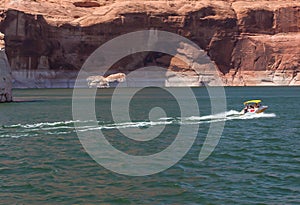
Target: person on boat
x=246, y=109
x=256, y=105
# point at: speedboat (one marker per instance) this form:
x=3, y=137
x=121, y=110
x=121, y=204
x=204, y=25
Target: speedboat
x=253, y=107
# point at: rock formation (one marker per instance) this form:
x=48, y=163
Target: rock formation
x=251, y=42
x=5, y=74
x=104, y=82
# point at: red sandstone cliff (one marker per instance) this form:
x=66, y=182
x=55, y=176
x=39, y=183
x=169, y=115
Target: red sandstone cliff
x=251, y=42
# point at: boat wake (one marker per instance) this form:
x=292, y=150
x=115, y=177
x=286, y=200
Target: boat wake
x=229, y=115
x=67, y=127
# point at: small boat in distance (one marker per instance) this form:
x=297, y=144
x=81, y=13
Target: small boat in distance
x=253, y=107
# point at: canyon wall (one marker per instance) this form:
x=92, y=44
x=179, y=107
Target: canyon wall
x=249, y=42
x=5, y=74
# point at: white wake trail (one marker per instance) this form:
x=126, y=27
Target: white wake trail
x=67, y=127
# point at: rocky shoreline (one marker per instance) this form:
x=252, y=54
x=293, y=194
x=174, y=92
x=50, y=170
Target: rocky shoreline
x=251, y=43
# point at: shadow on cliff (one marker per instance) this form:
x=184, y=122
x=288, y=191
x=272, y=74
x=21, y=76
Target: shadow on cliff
x=30, y=38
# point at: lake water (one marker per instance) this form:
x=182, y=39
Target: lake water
x=257, y=159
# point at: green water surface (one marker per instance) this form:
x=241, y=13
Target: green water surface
x=257, y=160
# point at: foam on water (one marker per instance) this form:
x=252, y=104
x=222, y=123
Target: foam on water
x=67, y=127
x=40, y=125
x=229, y=115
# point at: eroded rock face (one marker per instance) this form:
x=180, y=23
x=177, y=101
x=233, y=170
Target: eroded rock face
x=250, y=42
x=5, y=74
x=266, y=60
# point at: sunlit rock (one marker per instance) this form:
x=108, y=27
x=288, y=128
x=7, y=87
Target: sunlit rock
x=98, y=81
